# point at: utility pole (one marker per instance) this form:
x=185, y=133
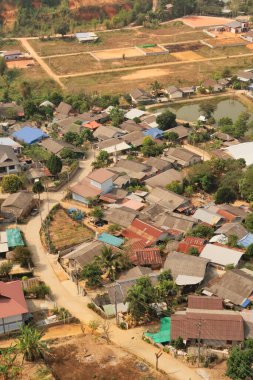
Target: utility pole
x=199, y=325
x=157, y=355
x=116, y=304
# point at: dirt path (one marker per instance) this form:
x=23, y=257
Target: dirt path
x=155, y=65
x=205, y=155
x=40, y=61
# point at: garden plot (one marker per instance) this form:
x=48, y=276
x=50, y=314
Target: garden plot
x=187, y=56
x=153, y=49
x=117, y=53
x=65, y=232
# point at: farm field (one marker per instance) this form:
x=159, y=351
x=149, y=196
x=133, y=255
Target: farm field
x=65, y=232
x=86, y=63
x=116, y=39
x=178, y=75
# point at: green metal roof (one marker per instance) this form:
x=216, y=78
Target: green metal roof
x=14, y=238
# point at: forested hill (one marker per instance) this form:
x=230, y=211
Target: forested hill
x=33, y=17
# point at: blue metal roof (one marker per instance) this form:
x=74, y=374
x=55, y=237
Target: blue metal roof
x=154, y=132
x=246, y=240
x=29, y=135
x=110, y=239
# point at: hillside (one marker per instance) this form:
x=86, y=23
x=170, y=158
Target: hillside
x=17, y=14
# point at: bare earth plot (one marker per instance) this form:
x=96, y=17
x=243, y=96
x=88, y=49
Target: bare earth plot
x=204, y=21
x=20, y=64
x=187, y=55
x=117, y=53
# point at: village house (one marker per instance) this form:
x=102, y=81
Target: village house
x=86, y=37
x=18, y=206
x=11, y=110
x=134, y=113
x=9, y=163
x=248, y=36
x=189, y=242
x=140, y=96
x=7, y=141
x=232, y=229
x=134, y=138
x=245, y=75
x=105, y=132
x=182, y=157
x=174, y=93
x=158, y=164
x=13, y=306
x=207, y=217
x=163, y=179
x=167, y=199
x=187, y=271
x=219, y=327
x=57, y=146
x=146, y=232
x=63, y=111
x=29, y=135
x=237, y=26
x=235, y=286
x=221, y=256
x=98, y=182
x=122, y=216
x=181, y=131
x=13, y=55
x=175, y=224
x=146, y=257
x=134, y=169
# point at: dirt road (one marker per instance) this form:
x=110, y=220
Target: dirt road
x=65, y=295
x=40, y=61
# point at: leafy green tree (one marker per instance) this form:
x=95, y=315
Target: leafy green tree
x=201, y=231
x=140, y=297
x=97, y=213
x=23, y=256
x=5, y=268
x=232, y=241
x=166, y=120
x=249, y=252
x=239, y=364
x=62, y=29
x=156, y=87
x=102, y=160
x=166, y=289
x=225, y=195
x=249, y=222
x=117, y=116
x=73, y=138
x=54, y=165
x=3, y=66
x=92, y=274
x=179, y=343
x=87, y=135
x=11, y=183
x=29, y=343
x=171, y=136
x=150, y=148
x=109, y=262
x=25, y=90
x=176, y=186
x=246, y=184
x=207, y=108
x=40, y=291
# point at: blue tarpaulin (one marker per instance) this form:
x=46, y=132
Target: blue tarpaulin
x=245, y=303
x=29, y=135
x=110, y=239
x=154, y=132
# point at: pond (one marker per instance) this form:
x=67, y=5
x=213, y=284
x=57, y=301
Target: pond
x=231, y=108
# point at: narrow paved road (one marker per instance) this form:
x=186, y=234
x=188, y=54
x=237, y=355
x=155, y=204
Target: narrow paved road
x=65, y=295
x=40, y=61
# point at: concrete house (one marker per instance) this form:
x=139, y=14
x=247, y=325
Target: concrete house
x=182, y=157
x=174, y=92
x=9, y=163
x=18, y=205
x=140, y=96
x=12, y=55
x=248, y=36
x=98, y=182
x=13, y=306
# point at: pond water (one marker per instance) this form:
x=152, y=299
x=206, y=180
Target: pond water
x=231, y=108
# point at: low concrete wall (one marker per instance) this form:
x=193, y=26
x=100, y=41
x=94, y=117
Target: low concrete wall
x=58, y=187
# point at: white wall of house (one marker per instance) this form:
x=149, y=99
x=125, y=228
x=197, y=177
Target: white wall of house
x=12, y=169
x=176, y=95
x=106, y=186
x=79, y=198
x=10, y=323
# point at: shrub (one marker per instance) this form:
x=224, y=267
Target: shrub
x=40, y=291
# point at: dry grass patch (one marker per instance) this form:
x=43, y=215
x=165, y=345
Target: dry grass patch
x=66, y=233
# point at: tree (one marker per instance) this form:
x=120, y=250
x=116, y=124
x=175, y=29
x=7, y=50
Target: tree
x=225, y=195
x=171, y=136
x=54, y=165
x=201, y=231
x=102, y=161
x=140, y=298
x=239, y=364
x=97, y=213
x=248, y=223
x=207, y=108
x=246, y=184
x=62, y=29
x=176, y=186
x=109, y=262
x=38, y=189
x=73, y=138
x=29, y=343
x=23, y=256
x=26, y=90
x=166, y=290
x=117, y=116
x=11, y=183
x=179, y=343
x=92, y=274
x=87, y=135
x=232, y=241
x=166, y=120
x=150, y=148
x=5, y=269
x=249, y=252
x=3, y=66
x=156, y=87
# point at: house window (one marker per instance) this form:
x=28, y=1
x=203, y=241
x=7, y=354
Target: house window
x=12, y=167
x=2, y=170
x=229, y=342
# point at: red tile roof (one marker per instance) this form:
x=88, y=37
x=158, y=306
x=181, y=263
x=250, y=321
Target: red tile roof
x=12, y=300
x=227, y=215
x=214, y=326
x=92, y=125
x=203, y=302
x=191, y=242
x=147, y=256
x=144, y=231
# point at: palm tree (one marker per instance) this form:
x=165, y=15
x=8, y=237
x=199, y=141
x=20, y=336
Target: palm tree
x=30, y=345
x=109, y=262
